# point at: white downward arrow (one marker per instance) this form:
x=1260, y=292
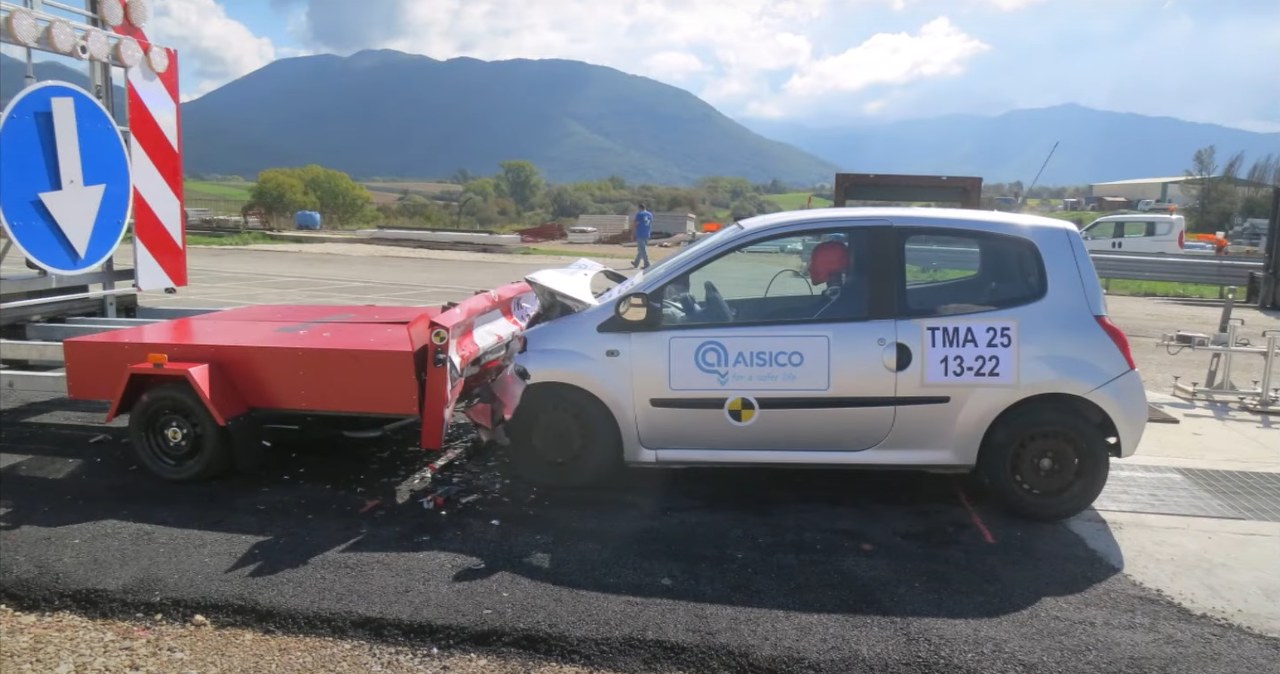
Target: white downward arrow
x=75, y=206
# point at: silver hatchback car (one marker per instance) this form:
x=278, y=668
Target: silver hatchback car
x=911, y=338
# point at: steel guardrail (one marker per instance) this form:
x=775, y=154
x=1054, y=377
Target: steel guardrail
x=1206, y=269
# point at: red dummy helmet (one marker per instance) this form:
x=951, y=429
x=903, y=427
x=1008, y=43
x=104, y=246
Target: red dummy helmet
x=829, y=259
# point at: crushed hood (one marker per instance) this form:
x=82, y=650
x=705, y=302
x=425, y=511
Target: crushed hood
x=570, y=287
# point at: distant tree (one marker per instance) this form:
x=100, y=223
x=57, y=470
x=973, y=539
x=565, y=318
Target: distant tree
x=484, y=189
x=742, y=209
x=1212, y=189
x=339, y=199
x=520, y=182
x=567, y=202
x=279, y=193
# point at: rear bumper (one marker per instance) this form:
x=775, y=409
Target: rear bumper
x=1124, y=399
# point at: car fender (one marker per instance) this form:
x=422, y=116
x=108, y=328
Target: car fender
x=575, y=368
x=975, y=417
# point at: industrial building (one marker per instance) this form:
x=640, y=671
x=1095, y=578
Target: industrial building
x=1178, y=190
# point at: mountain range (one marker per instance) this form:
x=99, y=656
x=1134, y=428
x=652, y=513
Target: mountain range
x=386, y=113
x=1092, y=145
x=382, y=113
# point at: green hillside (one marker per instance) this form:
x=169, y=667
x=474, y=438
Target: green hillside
x=378, y=114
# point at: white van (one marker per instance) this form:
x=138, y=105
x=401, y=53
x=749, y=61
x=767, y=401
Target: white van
x=1137, y=233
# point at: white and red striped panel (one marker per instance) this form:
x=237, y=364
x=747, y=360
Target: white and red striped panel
x=155, y=151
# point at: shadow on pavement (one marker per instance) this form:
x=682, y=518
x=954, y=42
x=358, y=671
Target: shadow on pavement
x=844, y=542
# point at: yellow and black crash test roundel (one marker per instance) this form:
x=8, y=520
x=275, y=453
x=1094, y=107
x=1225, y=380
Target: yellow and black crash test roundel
x=439, y=336
x=742, y=410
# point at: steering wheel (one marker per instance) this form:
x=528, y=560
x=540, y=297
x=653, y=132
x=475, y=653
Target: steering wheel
x=716, y=306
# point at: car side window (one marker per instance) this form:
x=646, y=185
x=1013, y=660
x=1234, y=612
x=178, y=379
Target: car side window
x=821, y=275
x=1134, y=230
x=949, y=274
x=1100, y=230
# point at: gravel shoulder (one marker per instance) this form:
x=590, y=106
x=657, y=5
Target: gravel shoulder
x=66, y=643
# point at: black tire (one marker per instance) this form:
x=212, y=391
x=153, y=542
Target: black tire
x=176, y=437
x=1045, y=463
x=562, y=436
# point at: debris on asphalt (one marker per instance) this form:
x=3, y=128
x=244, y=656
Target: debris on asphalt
x=99, y=438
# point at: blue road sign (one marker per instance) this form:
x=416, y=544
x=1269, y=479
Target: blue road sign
x=65, y=183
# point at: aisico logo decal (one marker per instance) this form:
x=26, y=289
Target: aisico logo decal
x=742, y=411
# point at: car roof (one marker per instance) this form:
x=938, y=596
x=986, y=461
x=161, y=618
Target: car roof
x=976, y=219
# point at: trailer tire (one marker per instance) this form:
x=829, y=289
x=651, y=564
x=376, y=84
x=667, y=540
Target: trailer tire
x=176, y=438
x=562, y=436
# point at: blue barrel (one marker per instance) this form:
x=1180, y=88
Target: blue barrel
x=306, y=220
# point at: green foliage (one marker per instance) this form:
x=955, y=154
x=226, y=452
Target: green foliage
x=237, y=190
x=520, y=182
x=280, y=192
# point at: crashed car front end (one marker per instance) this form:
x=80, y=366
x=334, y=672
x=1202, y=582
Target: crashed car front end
x=490, y=388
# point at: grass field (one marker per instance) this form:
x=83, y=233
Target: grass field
x=426, y=189
x=794, y=201
x=238, y=239
x=203, y=189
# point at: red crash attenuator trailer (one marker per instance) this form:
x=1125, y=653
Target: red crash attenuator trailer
x=189, y=383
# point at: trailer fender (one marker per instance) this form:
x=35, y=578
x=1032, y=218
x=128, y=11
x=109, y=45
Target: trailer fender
x=218, y=394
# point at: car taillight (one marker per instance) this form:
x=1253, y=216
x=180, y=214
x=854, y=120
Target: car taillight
x=1182, y=237
x=1118, y=338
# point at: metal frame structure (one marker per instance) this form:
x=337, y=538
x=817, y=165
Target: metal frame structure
x=103, y=34
x=964, y=191
x=1269, y=297
x=1263, y=397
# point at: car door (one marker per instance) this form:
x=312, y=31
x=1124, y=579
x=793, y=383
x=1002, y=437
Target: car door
x=1100, y=235
x=962, y=324
x=804, y=361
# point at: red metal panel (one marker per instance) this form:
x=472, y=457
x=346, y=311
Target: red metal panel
x=328, y=313
x=357, y=368
x=217, y=393
x=462, y=323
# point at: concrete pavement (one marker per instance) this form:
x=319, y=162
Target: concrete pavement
x=1225, y=568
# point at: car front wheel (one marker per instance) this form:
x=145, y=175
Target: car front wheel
x=1046, y=463
x=563, y=437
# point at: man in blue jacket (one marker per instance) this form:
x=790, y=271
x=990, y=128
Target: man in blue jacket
x=643, y=227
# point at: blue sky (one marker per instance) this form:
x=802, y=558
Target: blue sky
x=807, y=61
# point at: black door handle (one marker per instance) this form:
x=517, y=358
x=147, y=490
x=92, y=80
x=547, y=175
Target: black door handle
x=904, y=356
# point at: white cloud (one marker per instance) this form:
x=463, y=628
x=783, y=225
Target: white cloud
x=732, y=54
x=1011, y=5
x=212, y=47
x=673, y=65
x=939, y=49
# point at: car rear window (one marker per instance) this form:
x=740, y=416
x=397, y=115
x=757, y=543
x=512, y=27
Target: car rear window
x=948, y=274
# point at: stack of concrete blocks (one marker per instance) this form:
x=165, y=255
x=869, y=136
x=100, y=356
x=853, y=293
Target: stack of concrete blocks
x=608, y=227
x=674, y=224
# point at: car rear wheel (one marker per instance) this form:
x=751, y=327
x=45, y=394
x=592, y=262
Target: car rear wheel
x=563, y=437
x=1045, y=463
x=175, y=437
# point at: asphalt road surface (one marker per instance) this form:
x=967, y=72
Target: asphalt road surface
x=732, y=570
x=738, y=570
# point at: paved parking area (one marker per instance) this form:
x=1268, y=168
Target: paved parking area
x=698, y=570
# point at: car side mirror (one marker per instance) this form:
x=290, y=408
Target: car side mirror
x=633, y=308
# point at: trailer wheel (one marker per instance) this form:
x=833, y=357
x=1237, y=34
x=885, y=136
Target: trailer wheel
x=175, y=437
x=562, y=436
